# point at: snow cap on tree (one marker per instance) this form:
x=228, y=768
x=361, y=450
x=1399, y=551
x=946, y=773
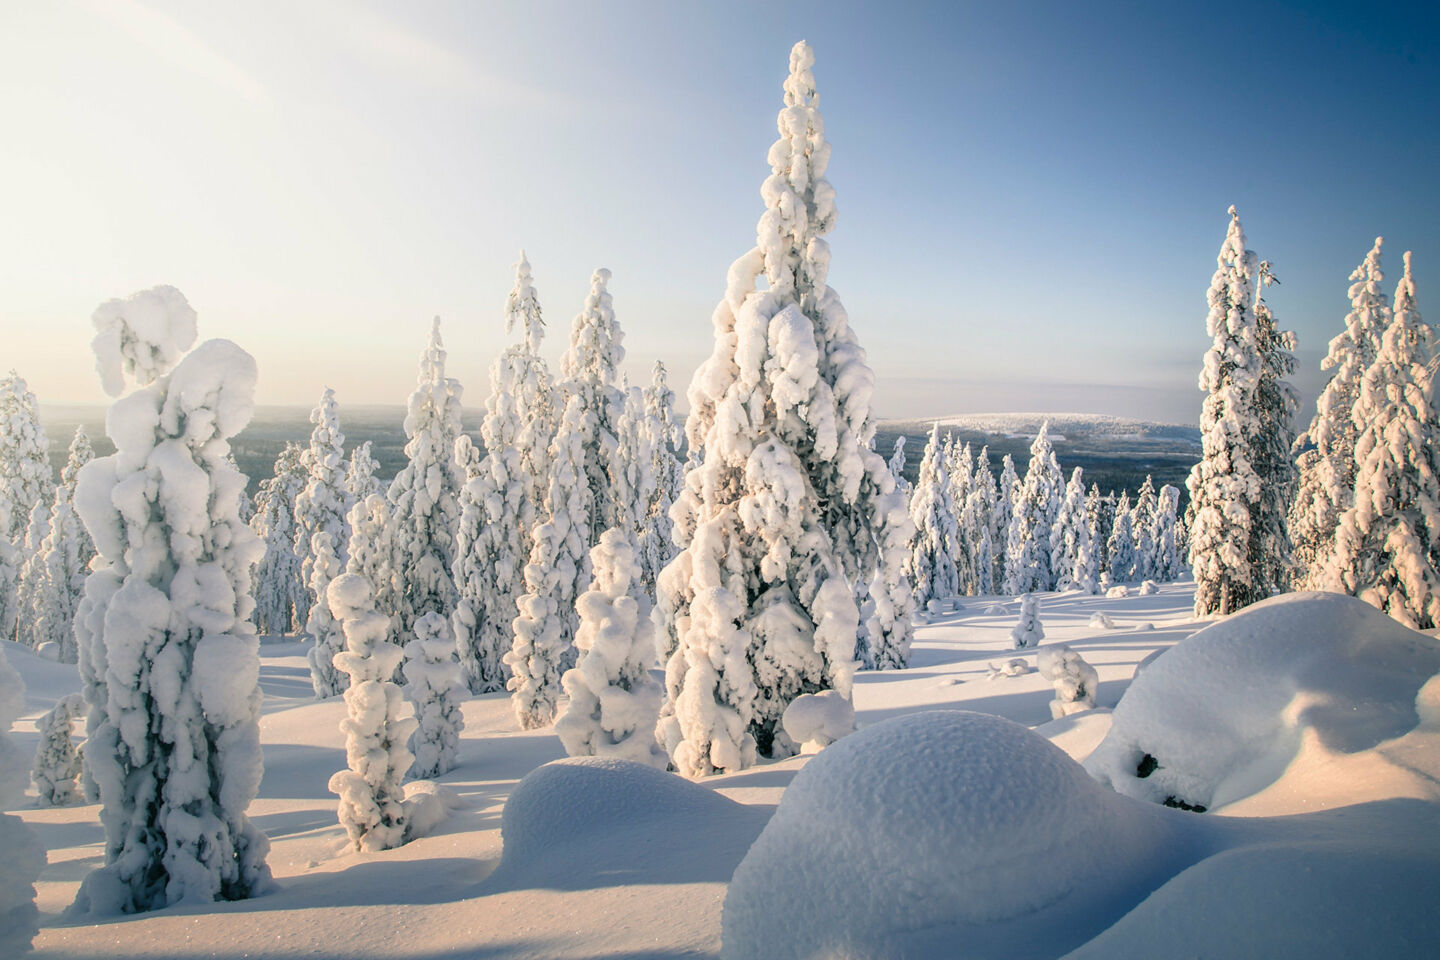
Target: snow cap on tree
x=141, y=337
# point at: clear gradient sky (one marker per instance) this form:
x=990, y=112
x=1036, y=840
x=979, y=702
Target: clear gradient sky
x=1031, y=195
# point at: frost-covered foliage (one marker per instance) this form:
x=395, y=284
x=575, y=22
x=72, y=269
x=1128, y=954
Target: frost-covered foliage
x=591, y=368
x=1327, y=473
x=614, y=702
x=56, y=771
x=280, y=595
x=1387, y=548
x=1120, y=552
x=371, y=797
x=322, y=536
x=1028, y=631
x=1070, y=549
x=1037, y=503
x=777, y=521
x=1167, y=566
x=23, y=857
x=1224, y=487
x=425, y=497
x=1142, y=528
x=175, y=745
x=65, y=554
x=667, y=476
x=25, y=481
x=434, y=684
x=1075, y=681
x=360, y=479
x=558, y=571
x=931, y=565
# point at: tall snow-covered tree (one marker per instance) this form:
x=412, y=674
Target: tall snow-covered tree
x=176, y=752
x=976, y=525
x=1142, y=528
x=1121, y=549
x=370, y=554
x=533, y=387
x=1037, y=502
x=1090, y=555
x=591, y=368
x=961, y=466
x=360, y=479
x=322, y=537
x=636, y=437
x=425, y=497
x=1008, y=488
x=614, y=704
x=1327, y=472
x=372, y=800
x=435, y=685
x=1387, y=545
x=888, y=625
x=24, y=856
x=1070, y=536
x=667, y=471
x=777, y=523
x=30, y=593
x=66, y=554
x=558, y=571
x=279, y=592
x=932, y=571
x=1168, y=565
x=1224, y=487
x=25, y=480
x=1276, y=402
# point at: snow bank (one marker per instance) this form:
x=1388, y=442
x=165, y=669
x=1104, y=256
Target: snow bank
x=941, y=834
x=816, y=720
x=1224, y=712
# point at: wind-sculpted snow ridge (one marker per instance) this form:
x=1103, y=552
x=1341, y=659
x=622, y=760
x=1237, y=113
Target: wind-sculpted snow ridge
x=1224, y=713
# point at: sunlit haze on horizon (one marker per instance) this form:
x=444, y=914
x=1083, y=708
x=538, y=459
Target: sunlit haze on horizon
x=1031, y=195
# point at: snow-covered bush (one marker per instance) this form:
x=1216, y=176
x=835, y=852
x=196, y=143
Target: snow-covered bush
x=1028, y=630
x=371, y=797
x=56, y=771
x=1075, y=680
x=816, y=720
x=174, y=746
x=434, y=684
x=322, y=535
x=23, y=857
x=614, y=703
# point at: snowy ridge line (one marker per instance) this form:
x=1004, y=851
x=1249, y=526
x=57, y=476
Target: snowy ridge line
x=1012, y=422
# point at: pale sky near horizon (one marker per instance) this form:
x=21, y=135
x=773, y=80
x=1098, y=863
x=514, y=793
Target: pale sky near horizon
x=1031, y=195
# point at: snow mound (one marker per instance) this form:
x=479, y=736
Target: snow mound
x=941, y=834
x=427, y=805
x=1221, y=715
x=996, y=610
x=1010, y=668
x=1102, y=621
x=1148, y=588
x=816, y=720
x=1119, y=592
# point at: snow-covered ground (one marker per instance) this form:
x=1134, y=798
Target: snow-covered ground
x=605, y=859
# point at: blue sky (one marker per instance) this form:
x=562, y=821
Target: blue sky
x=1031, y=195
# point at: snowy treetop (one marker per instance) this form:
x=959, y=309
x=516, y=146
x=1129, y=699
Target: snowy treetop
x=141, y=337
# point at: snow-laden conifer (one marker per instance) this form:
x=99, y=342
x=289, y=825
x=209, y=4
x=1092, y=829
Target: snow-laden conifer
x=1142, y=528
x=1091, y=555
x=1028, y=630
x=1075, y=681
x=889, y=614
x=279, y=592
x=961, y=467
x=977, y=525
x=533, y=387
x=1224, y=487
x=1007, y=488
x=435, y=685
x=778, y=520
x=667, y=474
x=376, y=730
x=897, y=467
x=1327, y=473
x=1273, y=566
x=931, y=568
x=1037, y=503
x=322, y=536
x=558, y=571
x=614, y=702
x=1070, y=536
x=360, y=479
x=1387, y=549
x=425, y=497
x=23, y=857
x=370, y=554
x=32, y=588
x=591, y=368
x=1168, y=565
x=176, y=751
x=56, y=771
x=1120, y=553
x=636, y=437
x=65, y=556
x=25, y=480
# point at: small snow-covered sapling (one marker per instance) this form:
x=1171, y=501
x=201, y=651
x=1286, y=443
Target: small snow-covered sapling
x=57, y=763
x=1075, y=680
x=1028, y=631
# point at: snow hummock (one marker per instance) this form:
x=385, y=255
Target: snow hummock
x=816, y=720
x=1224, y=713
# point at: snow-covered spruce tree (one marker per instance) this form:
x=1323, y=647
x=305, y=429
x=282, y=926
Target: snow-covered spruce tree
x=1387, y=549
x=372, y=807
x=1224, y=487
x=634, y=454
x=279, y=592
x=1120, y=551
x=1008, y=487
x=322, y=536
x=25, y=480
x=1036, y=504
x=66, y=554
x=31, y=588
x=1028, y=631
x=1142, y=528
x=424, y=498
x=24, y=857
x=931, y=566
x=360, y=479
x=961, y=467
x=667, y=473
x=558, y=571
x=1327, y=473
x=897, y=467
x=434, y=684
x=976, y=523
x=1276, y=402
x=56, y=771
x=889, y=615
x=614, y=703
x=533, y=387
x=777, y=523
x=1168, y=565
x=1090, y=555
x=1070, y=536
x=176, y=751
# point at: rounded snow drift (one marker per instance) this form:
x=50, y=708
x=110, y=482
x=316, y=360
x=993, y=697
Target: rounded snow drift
x=922, y=833
x=1221, y=715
